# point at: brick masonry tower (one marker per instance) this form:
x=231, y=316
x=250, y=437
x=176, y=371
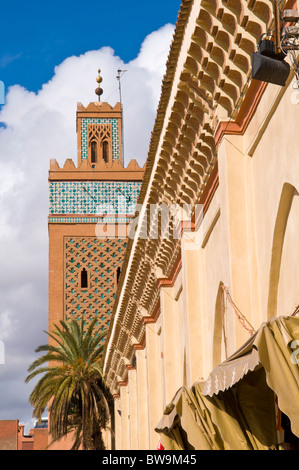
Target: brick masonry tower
x=90, y=208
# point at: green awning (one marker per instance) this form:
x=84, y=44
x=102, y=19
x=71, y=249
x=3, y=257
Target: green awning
x=187, y=425
x=273, y=347
x=235, y=408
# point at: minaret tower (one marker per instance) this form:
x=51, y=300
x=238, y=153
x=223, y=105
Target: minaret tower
x=90, y=207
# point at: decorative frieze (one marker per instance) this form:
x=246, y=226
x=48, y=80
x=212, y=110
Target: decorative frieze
x=207, y=78
x=93, y=197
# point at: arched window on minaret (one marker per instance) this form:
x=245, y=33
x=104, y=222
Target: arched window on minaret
x=94, y=151
x=105, y=151
x=84, y=279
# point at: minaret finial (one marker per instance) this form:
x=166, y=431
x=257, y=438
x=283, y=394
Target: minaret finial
x=99, y=90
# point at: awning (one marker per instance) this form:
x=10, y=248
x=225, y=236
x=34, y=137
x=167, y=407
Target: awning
x=273, y=347
x=232, y=370
x=186, y=424
x=235, y=408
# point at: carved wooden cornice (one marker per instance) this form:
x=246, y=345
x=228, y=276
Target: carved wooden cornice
x=207, y=81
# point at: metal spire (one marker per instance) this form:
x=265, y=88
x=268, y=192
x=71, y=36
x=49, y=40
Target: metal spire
x=99, y=90
x=120, y=73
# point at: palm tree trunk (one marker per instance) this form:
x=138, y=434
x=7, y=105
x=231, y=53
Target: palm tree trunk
x=86, y=427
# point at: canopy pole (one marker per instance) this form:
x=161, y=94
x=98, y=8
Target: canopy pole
x=277, y=27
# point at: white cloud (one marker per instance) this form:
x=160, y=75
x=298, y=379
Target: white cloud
x=152, y=58
x=7, y=325
x=38, y=127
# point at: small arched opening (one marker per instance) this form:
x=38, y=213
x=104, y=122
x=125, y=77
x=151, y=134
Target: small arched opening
x=84, y=279
x=105, y=151
x=94, y=152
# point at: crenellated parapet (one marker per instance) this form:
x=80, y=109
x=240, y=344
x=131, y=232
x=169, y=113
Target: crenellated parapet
x=100, y=170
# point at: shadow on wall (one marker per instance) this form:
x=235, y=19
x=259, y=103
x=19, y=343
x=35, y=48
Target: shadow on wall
x=284, y=209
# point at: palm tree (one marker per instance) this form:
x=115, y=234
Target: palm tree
x=72, y=385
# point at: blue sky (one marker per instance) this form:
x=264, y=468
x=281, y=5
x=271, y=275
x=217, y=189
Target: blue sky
x=49, y=57
x=36, y=36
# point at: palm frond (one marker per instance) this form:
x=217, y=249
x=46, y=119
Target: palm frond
x=72, y=385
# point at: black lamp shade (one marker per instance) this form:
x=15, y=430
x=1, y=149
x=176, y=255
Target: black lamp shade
x=268, y=69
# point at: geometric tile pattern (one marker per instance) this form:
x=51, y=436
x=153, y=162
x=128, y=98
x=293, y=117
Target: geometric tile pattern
x=101, y=259
x=90, y=220
x=93, y=197
x=84, y=135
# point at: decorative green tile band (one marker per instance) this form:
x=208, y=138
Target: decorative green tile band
x=90, y=220
x=93, y=197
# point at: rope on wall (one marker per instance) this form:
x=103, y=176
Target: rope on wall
x=296, y=311
x=241, y=318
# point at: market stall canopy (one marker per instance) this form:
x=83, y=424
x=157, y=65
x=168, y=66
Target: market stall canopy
x=195, y=422
x=186, y=424
x=235, y=408
x=274, y=347
x=233, y=369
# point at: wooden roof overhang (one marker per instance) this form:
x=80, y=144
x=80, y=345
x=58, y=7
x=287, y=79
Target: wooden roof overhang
x=207, y=79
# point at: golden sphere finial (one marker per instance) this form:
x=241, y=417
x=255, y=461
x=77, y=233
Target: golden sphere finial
x=99, y=90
